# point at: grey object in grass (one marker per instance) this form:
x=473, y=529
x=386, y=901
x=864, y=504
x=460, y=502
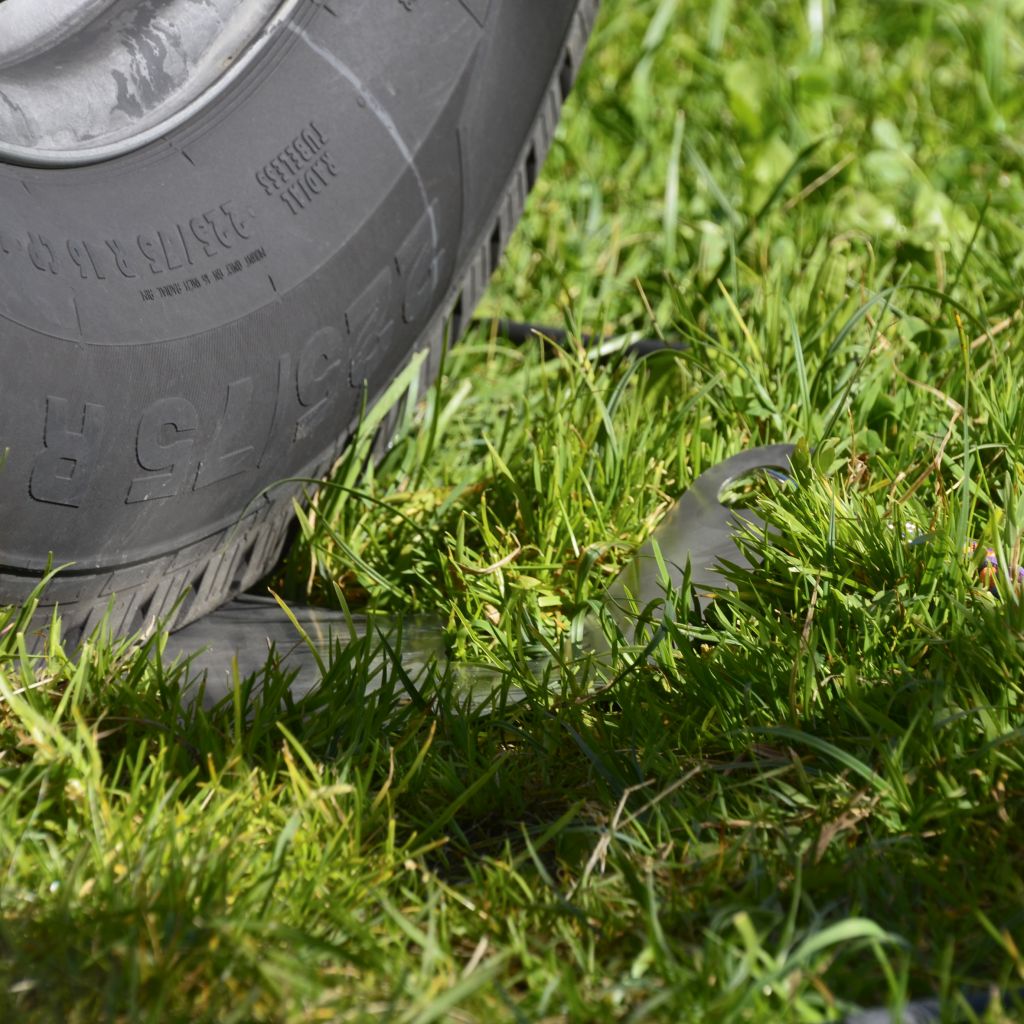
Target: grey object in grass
x=697, y=537
x=238, y=638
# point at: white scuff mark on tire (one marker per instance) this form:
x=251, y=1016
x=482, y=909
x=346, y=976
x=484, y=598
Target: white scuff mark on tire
x=381, y=114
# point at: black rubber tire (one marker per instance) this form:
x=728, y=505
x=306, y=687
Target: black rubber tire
x=182, y=327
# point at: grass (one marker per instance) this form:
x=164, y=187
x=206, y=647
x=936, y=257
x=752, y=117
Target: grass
x=808, y=804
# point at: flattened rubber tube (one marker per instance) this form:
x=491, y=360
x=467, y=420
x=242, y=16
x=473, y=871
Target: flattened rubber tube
x=185, y=326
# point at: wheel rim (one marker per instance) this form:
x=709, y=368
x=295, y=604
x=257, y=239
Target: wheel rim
x=87, y=80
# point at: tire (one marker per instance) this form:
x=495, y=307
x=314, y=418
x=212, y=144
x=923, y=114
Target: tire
x=186, y=325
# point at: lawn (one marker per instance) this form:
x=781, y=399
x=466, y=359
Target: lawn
x=808, y=802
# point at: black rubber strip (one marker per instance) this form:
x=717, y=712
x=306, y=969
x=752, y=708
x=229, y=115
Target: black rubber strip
x=520, y=333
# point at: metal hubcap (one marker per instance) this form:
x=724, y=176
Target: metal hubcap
x=87, y=80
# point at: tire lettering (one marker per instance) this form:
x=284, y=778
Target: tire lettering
x=83, y=258
x=60, y=472
x=282, y=404
x=316, y=378
x=169, y=444
x=229, y=455
x=163, y=445
x=152, y=253
x=168, y=248
x=417, y=266
x=242, y=223
x=300, y=171
x=263, y=180
x=41, y=253
x=222, y=228
x=174, y=249
x=369, y=327
x=120, y=258
x=204, y=235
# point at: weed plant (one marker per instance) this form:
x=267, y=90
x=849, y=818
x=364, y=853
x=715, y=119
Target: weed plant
x=810, y=801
